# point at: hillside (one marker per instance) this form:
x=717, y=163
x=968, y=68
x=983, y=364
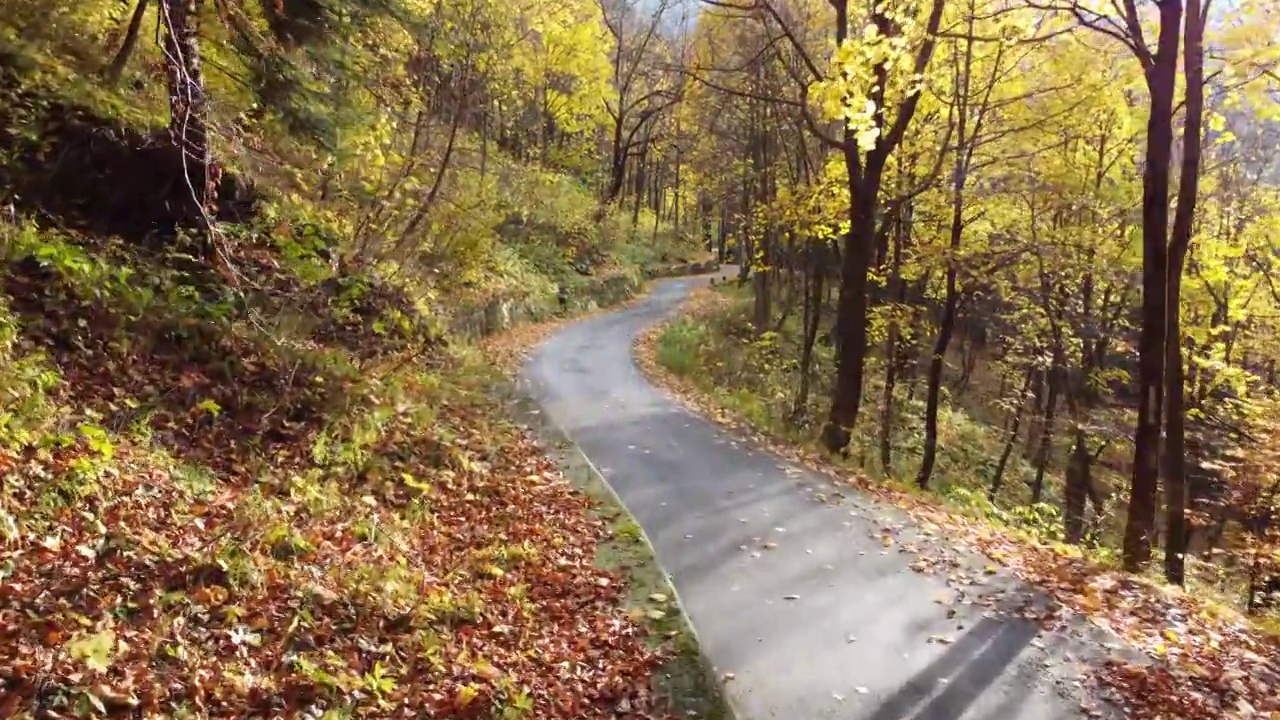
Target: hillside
x=253, y=462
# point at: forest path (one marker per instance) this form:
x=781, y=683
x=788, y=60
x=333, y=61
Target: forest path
x=817, y=617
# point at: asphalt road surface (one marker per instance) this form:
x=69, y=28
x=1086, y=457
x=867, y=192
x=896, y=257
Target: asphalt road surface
x=796, y=599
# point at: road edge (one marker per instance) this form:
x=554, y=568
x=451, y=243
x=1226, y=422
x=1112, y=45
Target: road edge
x=1093, y=646
x=557, y=443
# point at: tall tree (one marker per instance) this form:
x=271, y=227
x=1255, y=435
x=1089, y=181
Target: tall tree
x=870, y=136
x=641, y=88
x=1183, y=219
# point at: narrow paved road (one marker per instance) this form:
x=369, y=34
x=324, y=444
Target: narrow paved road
x=794, y=595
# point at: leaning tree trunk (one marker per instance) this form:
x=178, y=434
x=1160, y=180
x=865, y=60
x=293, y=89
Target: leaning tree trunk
x=116, y=68
x=188, y=111
x=997, y=478
x=1046, y=437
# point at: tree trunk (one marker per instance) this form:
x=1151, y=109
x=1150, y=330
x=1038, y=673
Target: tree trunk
x=640, y=182
x=188, y=112
x=864, y=179
x=968, y=363
x=1046, y=438
x=1161, y=81
x=762, y=258
x=723, y=233
x=1188, y=189
x=893, y=345
x=746, y=246
x=121, y=59
x=1076, y=493
x=945, y=330
x=675, y=193
x=812, y=320
x=656, y=218
x=851, y=315
x=1037, y=419
x=997, y=479
x=617, y=160
x=885, y=439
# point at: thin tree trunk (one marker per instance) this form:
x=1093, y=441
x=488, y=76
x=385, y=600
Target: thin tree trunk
x=945, y=330
x=722, y=233
x=1188, y=187
x=762, y=258
x=893, y=345
x=1076, y=493
x=813, y=319
x=437, y=183
x=1046, y=439
x=675, y=194
x=969, y=362
x=1037, y=418
x=121, y=59
x=640, y=169
x=997, y=479
x=785, y=282
x=188, y=112
x=885, y=440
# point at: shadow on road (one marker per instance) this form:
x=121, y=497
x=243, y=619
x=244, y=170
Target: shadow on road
x=968, y=667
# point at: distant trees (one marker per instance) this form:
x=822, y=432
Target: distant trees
x=644, y=86
x=990, y=196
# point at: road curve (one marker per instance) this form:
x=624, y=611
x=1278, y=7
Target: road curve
x=795, y=596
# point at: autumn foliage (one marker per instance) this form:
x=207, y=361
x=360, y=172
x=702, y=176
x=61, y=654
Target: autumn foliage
x=250, y=463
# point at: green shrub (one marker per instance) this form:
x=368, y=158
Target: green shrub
x=678, y=346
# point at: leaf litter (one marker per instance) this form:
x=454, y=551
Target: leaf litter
x=250, y=553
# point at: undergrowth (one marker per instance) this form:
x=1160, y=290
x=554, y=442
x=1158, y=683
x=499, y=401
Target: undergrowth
x=209, y=512
x=754, y=376
x=282, y=486
x=751, y=377
x=260, y=472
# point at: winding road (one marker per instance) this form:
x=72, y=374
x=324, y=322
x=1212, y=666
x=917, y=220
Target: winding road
x=797, y=600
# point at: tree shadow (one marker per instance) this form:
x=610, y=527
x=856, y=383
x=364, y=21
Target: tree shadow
x=968, y=667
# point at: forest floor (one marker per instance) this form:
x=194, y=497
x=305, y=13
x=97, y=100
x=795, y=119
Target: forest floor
x=307, y=502
x=1170, y=654
x=281, y=487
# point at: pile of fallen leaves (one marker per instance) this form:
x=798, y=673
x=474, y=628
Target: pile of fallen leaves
x=1203, y=662
x=1206, y=662
x=450, y=593
x=407, y=555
